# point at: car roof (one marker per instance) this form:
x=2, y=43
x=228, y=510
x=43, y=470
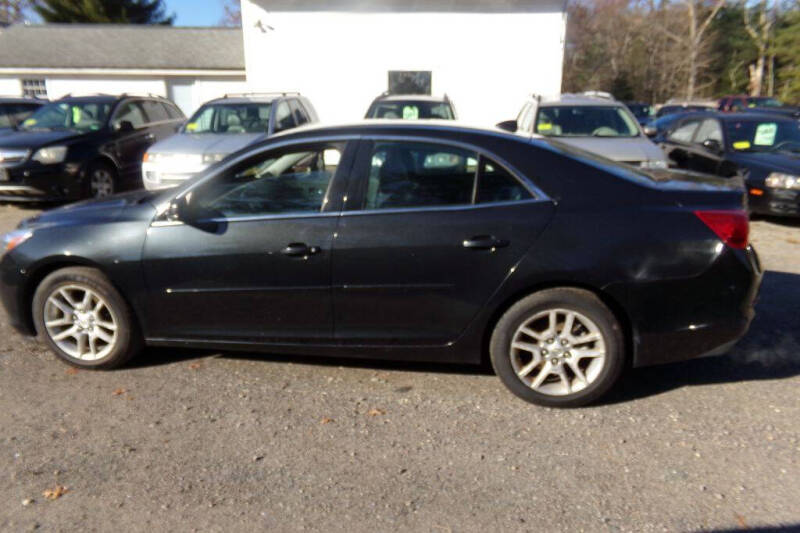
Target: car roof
x=21, y=100
x=733, y=117
x=412, y=97
x=578, y=100
x=254, y=98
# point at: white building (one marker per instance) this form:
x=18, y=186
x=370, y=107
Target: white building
x=188, y=65
x=487, y=55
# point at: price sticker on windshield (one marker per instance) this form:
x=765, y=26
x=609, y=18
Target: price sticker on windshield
x=410, y=112
x=765, y=134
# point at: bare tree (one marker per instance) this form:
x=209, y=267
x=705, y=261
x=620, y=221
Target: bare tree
x=13, y=11
x=233, y=13
x=760, y=30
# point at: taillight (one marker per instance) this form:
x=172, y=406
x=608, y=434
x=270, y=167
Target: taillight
x=732, y=227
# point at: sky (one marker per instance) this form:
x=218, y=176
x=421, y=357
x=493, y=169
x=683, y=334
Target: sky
x=196, y=12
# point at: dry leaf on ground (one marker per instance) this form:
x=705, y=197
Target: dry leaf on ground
x=72, y=371
x=119, y=392
x=55, y=493
x=195, y=366
x=376, y=412
x=326, y=420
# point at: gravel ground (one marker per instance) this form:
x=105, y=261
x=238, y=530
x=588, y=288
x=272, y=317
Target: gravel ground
x=189, y=441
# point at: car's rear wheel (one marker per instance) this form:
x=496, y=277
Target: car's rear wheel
x=84, y=320
x=558, y=348
x=102, y=181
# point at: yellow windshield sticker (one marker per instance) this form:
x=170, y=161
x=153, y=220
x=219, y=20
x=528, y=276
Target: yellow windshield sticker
x=545, y=126
x=29, y=122
x=741, y=145
x=410, y=112
x=765, y=134
x=192, y=126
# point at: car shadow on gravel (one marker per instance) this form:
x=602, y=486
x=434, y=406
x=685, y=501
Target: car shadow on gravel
x=770, y=350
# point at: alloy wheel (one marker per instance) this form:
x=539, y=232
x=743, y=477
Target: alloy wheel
x=558, y=352
x=80, y=322
x=101, y=183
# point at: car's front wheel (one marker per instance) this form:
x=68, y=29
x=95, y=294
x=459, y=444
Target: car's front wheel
x=84, y=320
x=102, y=181
x=558, y=348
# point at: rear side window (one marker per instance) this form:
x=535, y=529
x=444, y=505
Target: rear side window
x=413, y=174
x=172, y=111
x=132, y=112
x=155, y=111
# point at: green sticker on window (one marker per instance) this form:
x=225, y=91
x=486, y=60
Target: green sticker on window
x=765, y=134
x=410, y=112
x=76, y=115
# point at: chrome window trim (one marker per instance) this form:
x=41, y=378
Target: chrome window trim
x=531, y=187
x=430, y=209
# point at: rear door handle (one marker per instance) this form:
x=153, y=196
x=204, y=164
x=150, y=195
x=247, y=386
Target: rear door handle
x=485, y=242
x=298, y=249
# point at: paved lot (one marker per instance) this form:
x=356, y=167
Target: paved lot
x=192, y=441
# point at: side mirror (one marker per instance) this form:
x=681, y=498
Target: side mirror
x=650, y=131
x=124, y=126
x=509, y=125
x=713, y=145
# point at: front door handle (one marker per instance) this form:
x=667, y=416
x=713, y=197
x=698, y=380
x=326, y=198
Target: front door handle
x=485, y=242
x=150, y=137
x=298, y=249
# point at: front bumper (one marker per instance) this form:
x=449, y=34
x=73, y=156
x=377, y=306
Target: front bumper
x=34, y=182
x=776, y=202
x=13, y=295
x=169, y=173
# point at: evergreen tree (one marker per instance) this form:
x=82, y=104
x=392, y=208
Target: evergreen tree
x=104, y=11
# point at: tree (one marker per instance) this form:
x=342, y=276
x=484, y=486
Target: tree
x=732, y=50
x=760, y=30
x=233, y=13
x=104, y=11
x=787, y=55
x=13, y=11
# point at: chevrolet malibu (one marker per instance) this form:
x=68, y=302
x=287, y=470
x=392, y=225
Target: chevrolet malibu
x=402, y=241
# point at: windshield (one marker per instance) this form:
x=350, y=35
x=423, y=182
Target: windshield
x=640, y=110
x=586, y=121
x=81, y=116
x=764, y=102
x=231, y=118
x=764, y=136
x=411, y=110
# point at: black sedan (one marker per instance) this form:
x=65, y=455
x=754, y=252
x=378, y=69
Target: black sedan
x=763, y=148
x=401, y=241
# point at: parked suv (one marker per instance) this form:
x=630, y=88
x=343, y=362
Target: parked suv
x=83, y=147
x=14, y=109
x=221, y=127
x=595, y=123
x=758, y=104
x=412, y=107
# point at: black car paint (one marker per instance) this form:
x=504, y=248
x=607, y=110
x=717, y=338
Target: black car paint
x=122, y=150
x=754, y=167
x=401, y=285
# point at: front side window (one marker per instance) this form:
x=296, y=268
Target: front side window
x=81, y=116
x=709, y=130
x=287, y=181
x=414, y=174
x=685, y=132
x=283, y=117
x=299, y=113
x=586, y=121
x=230, y=118
x=525, y=119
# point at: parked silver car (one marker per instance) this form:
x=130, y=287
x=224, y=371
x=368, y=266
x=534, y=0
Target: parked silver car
x=219, y=128
x=594, y=122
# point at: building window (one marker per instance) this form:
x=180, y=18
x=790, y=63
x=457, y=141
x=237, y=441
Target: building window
x=35, y=88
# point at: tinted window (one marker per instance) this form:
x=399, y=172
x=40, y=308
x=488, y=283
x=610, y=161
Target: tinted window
x=406, y=174
x=155, y=111
x=132, y=112
x=685, y=132
x=764, y=135
x=709, y=130
x=248, y=117
x=172, y=111
x=79, y=115
x=286, y=181
x=496, y=184
x=586, y=121
x=283, y=117
x=299, y=113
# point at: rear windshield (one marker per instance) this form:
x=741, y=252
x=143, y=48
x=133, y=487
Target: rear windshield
x=586, y=121
x=411, y=110
x=230, y=118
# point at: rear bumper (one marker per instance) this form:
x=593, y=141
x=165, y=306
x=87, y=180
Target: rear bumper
x=675, y=320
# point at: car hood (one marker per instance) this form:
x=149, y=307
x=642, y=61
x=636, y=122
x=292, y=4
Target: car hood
x=34, y=139
x=205, y=143
x=89, y=212
x=625, y=149
x=770, y=161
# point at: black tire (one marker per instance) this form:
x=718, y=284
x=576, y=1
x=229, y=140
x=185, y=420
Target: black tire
x=101, y=172
x=568, y=299
x=128, y=339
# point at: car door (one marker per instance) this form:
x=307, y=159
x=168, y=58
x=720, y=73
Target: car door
x=707, y=149
x=130, y=142
x=677, y=144
x=252, y=262
x=432, y=230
